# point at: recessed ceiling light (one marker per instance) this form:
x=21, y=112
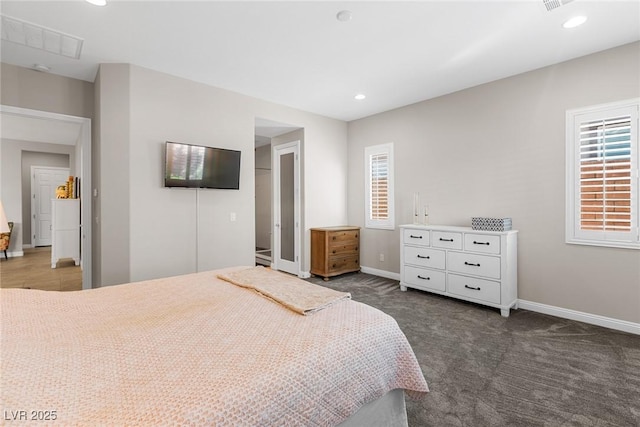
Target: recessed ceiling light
x=574, y=22
x=97, y=2
x=360, y=96
x=344, y=16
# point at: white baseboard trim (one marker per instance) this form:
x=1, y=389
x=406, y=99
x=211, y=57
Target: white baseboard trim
x=381, y=273
x=304, y=275
x=12, y=254
x=593, y=319
x=565, y=313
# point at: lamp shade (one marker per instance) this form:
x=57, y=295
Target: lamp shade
x=4, y=225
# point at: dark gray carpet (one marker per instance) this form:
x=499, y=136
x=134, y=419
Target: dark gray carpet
x=526, y=370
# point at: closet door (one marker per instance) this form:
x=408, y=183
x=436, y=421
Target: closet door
x=286, y=202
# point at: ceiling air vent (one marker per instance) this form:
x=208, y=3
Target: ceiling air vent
x=33, y=35
x=554, y=4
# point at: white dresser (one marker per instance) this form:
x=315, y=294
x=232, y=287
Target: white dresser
x=473, y=265
x=65, y=230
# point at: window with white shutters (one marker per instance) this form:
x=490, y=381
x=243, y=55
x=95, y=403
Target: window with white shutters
x=379, y=186
x=602, y=175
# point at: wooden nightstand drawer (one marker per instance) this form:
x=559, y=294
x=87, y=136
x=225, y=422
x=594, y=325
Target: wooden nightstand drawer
x=478, y=265
x=480, y=289
x=342, y=264
x=348, y=248
x=340, y=237
x=424, y=257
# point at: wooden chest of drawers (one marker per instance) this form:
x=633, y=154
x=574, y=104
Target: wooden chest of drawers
x=335, y=250
x=478, y=266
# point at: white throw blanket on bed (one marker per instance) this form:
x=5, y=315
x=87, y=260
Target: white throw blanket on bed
x=293, y=293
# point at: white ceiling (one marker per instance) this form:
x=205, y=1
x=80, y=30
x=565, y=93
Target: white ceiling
x=298, y=54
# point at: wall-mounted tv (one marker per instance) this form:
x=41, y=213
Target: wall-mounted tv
x=196, y=166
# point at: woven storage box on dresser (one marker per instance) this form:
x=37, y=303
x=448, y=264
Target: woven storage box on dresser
x=491, y=224
x=460, y=262
x=335, y=250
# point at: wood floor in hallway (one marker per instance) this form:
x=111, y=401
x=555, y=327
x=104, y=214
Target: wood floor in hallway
x=33, y=271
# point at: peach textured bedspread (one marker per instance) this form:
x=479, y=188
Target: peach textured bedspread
x=194, y=350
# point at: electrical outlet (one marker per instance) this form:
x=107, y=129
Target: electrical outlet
x=382, y=257
x=232, y=216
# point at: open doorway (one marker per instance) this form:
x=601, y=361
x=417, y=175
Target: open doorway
x=21, y=129
x=278, y=208
x=263, y=200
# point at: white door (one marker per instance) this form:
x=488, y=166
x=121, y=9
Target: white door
x=44, y=181
x=286, y=204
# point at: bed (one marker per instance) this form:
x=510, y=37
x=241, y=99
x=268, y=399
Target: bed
x=200, y=350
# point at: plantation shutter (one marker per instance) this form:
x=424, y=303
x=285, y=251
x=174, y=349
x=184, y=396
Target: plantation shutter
x=379, y=187
x=605, y=174
x=602, y=176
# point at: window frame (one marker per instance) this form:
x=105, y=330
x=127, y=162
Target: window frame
x=573, y=232
x=389, y=222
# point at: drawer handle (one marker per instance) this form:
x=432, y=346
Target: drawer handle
x=481, y=243
x=415, y=237
x=472, y=288
x=424, y=257
x=424, y=278
x=446, y=240
x=471, y=264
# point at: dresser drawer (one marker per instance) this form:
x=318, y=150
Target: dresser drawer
x=344, y=263
x=478, y=265
x=342, y=237
x=424, y=257
x=475, y=288
x=484, y=243
x=416, y=237
x=425, y=278
x=344, y=248
x=447, y=240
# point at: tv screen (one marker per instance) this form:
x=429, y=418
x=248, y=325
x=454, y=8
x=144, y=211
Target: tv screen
x=196, y=166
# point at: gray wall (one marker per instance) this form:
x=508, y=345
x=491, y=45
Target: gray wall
x=111, y=176
x=25, y=88
x=498, y=150
x=175, y=231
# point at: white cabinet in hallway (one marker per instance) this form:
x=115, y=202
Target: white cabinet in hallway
x=65, y=233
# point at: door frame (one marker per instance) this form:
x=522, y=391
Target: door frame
x=277, y=263
x=34, y=198
x=83, y=168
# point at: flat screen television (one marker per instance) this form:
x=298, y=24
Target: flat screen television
x=196, y=166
